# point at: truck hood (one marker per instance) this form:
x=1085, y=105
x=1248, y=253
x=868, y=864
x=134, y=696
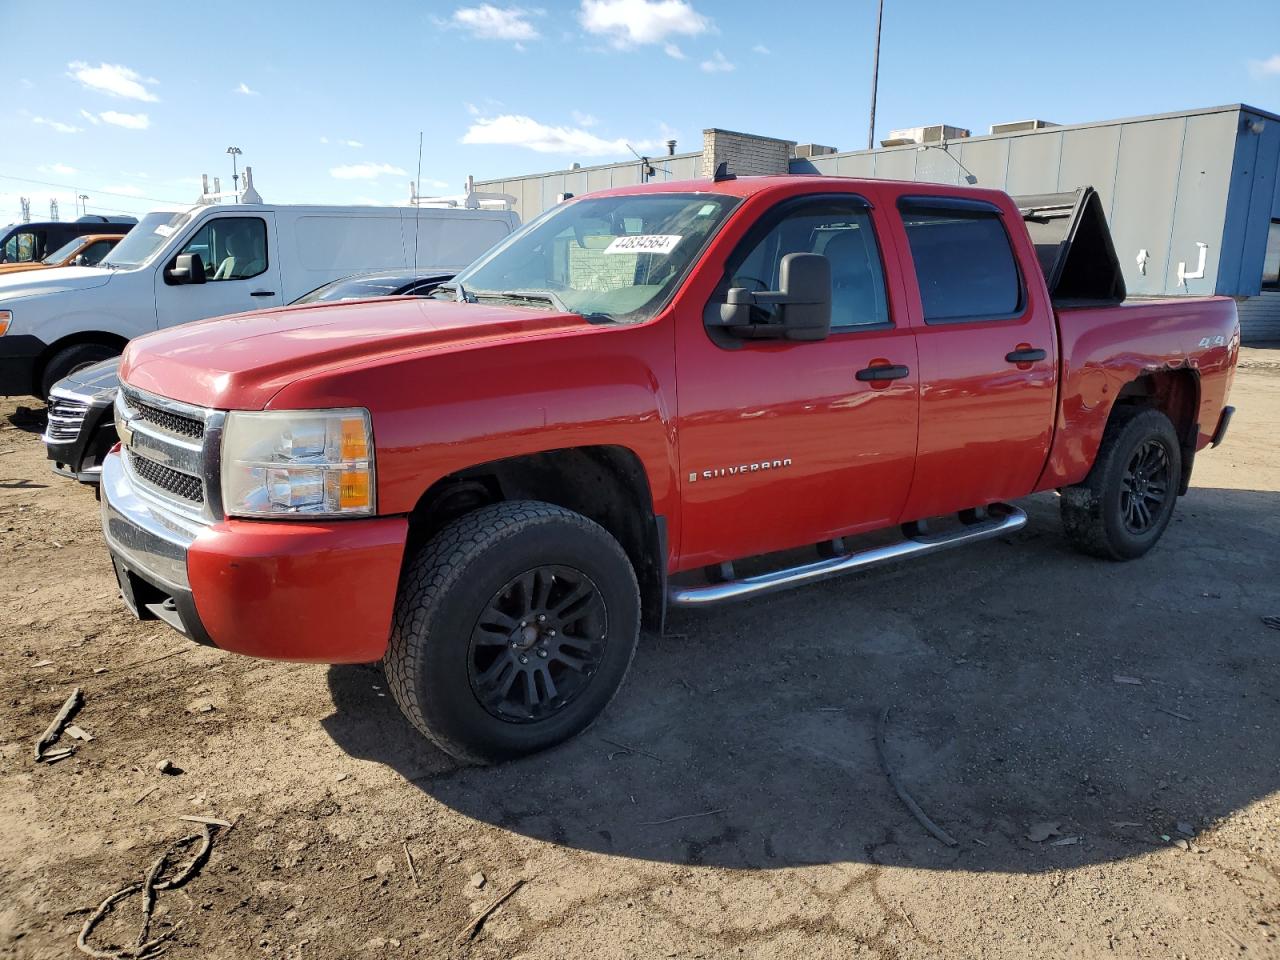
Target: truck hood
x=241, y=362
x=36, y=283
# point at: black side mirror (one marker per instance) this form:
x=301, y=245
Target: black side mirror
x=186, y=268
x=804, y=303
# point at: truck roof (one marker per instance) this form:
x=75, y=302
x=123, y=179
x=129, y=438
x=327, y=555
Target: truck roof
x=747, y=186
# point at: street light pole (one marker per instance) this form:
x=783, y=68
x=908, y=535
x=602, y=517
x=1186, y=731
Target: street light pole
x=84, y=200
x=875, y=77
x=234, y=152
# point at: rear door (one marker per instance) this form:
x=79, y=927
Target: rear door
x=987, y=348
x=242, y=270
x=787, y=443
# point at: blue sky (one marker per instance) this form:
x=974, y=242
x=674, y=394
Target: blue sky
x=130, y=102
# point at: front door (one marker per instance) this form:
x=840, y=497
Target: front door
x=988, y=357
x=784, y=443
x=242, y=271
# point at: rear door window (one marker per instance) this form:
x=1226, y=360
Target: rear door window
x=964, y=263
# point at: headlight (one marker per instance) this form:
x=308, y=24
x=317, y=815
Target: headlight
x=303, y=463
x=6, y=318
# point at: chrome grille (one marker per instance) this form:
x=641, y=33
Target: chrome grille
x=172, y=451
x=65, y=419
x=165, y=419
x=173, y=482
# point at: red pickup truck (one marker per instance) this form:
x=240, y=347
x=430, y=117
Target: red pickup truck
x=668, y=394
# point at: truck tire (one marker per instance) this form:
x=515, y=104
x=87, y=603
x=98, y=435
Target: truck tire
x=514, y=627
x=1124, y=505
x=70, y=359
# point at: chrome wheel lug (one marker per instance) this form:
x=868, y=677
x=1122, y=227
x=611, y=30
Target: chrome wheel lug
x=542, y=618
x=542, y=652
x=515, y=644
x=551, y=633
x=523, y=658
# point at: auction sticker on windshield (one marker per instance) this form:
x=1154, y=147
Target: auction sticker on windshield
x=644, y=243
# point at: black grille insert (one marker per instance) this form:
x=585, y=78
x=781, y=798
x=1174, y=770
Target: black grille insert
x=180, y=485
x=173, y=422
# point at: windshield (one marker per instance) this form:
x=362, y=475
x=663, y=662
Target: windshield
x=64, y=251
x=608, y=258
x=354, y=288
x=141, y=243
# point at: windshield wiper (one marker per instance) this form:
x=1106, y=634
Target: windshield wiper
x=538, y=296
x=460, y=294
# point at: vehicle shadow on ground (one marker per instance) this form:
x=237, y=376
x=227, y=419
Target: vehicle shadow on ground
x=1028, y=685
x=29, y=419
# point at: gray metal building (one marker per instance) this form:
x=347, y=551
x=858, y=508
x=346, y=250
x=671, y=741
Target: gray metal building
x=1193, y=198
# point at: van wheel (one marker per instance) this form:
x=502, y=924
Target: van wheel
x=70, y=359
x=1125, y=503
x=513, y=629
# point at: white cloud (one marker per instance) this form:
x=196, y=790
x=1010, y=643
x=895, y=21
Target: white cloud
x=366, y=171
x=130, y=121
x=519, y=131
x=114, y=80
x=92, y=118
x=628, y=23
x=583, y=119
x=717, y=64
x=61, y=169
x=355, y=144
x=245, y=89
x=496, y=23
x=26, y=84
x=472, y=109
x=674, y=52
x=56, y=125
x=762, y=49
x=324, y=139
x=1269, y=67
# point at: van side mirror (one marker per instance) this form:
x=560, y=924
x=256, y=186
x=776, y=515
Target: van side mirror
x=804, y=303
x=186, y=268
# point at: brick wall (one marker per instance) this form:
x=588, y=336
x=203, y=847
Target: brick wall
x=747, y=155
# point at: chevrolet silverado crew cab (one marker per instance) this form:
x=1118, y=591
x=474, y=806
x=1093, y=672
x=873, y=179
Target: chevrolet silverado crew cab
x=654, y=396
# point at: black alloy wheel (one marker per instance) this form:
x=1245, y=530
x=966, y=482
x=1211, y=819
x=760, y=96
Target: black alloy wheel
x=537, y=644
x=1145, y=486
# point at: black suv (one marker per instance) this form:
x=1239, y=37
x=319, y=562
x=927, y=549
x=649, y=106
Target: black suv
x=32, y=242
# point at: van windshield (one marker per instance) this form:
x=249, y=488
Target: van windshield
x=141, y=243
x=606, y=258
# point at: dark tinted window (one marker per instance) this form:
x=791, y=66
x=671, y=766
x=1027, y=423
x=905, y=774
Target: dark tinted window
x=1271, y=260
x=842, y=232
x=964, y=265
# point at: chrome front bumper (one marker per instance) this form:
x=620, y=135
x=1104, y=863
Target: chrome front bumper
x=150, y=541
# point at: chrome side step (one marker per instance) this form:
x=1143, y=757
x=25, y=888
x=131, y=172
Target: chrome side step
x=1000, y=518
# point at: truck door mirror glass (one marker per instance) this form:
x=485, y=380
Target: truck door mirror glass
x=186, y=268
x=803, y=303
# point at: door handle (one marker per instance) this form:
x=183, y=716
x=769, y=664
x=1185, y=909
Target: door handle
x=272, y=293
x=895, y=371
x=1025, y=355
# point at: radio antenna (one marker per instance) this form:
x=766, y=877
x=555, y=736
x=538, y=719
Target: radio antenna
x=417, y=202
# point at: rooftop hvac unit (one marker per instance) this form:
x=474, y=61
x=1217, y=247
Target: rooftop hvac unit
x=1017, y=126
x=803, y=151
x=936, y=133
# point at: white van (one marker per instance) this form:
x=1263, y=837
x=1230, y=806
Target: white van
x=213, y=259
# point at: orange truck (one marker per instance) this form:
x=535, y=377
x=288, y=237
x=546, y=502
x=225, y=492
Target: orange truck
x=82, y=251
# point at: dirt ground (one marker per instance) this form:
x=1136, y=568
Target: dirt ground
x=731, y=802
